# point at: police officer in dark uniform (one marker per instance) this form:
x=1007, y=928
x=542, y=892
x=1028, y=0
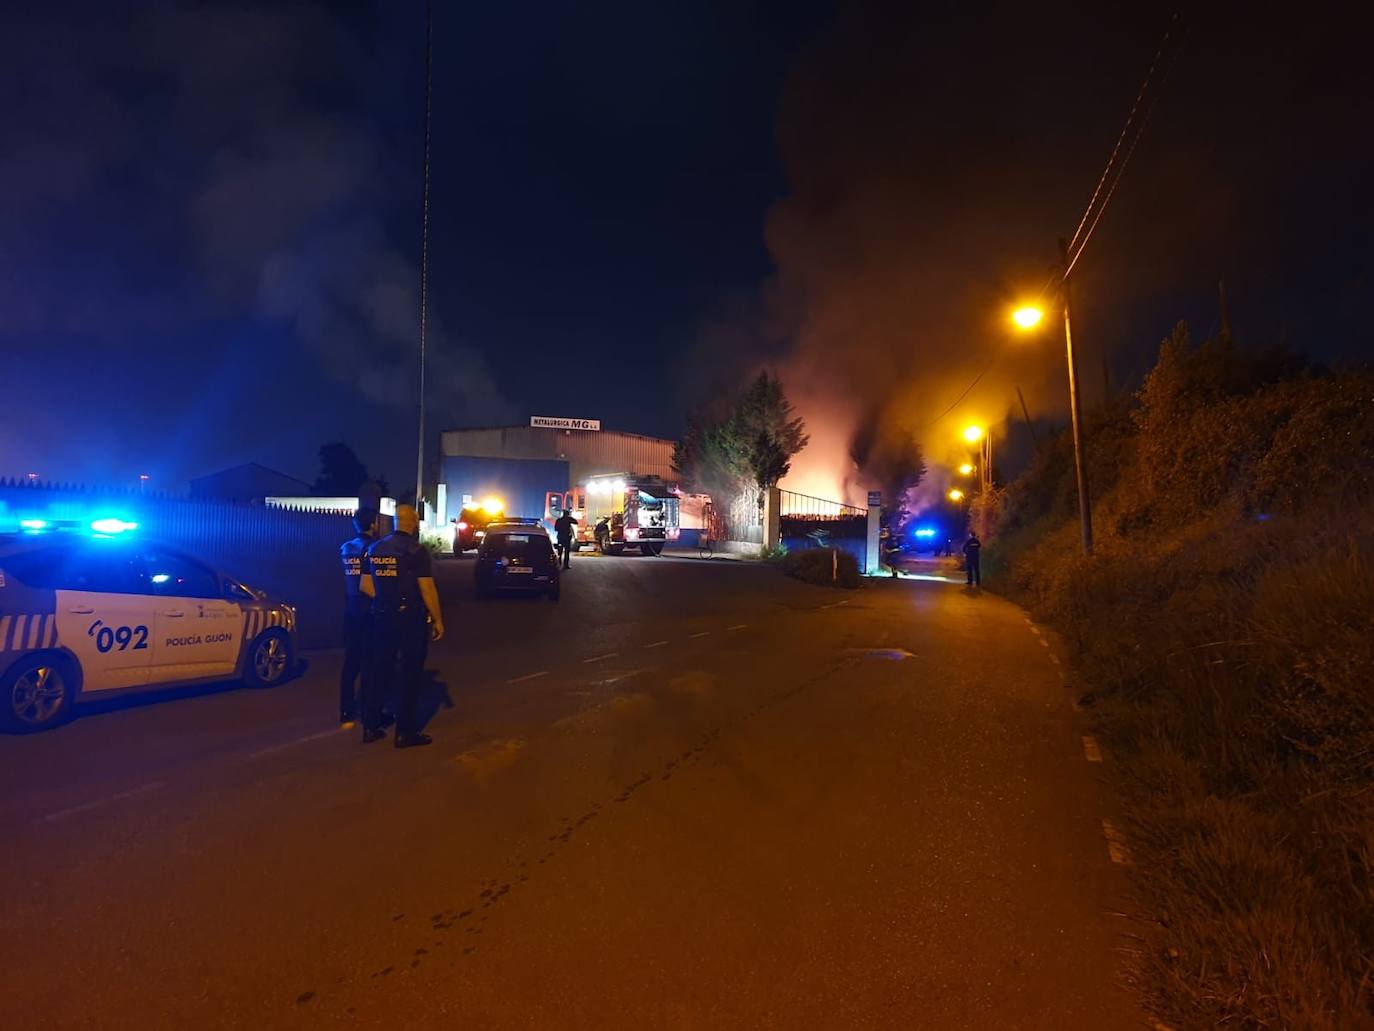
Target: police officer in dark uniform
x=973, y=548
x=563, y=529
x=397, y=576
x=357, y=617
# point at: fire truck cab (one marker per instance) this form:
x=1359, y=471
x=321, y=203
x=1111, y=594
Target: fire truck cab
x=619, y=511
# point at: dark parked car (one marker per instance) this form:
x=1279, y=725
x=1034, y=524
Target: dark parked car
x=516, y=557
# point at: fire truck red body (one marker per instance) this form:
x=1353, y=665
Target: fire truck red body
x=618, y=511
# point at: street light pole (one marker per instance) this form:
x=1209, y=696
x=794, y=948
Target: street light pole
x=424, y=259
x=1080, y=466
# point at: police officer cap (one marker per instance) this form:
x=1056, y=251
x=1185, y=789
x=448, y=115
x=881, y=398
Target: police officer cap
x=364, y=519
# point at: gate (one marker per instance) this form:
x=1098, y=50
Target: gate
x=808, y=522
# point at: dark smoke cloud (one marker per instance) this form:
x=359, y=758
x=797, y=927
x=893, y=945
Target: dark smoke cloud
x=174, y=166
x=934, y=159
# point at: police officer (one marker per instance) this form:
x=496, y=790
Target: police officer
x=357, y=617
x=973, y=548
x=563, y=529
x=398, y=578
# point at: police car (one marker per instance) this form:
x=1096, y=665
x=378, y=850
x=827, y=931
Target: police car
x=96, y=614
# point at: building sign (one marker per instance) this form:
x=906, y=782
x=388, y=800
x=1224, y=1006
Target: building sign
x=550, y=423
x=875, y=498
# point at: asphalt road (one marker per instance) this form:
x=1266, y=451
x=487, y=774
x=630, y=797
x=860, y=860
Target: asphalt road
x=691, y=794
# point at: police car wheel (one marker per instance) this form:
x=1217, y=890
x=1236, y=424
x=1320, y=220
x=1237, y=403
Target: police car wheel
x=269, y=660
x=38, y=692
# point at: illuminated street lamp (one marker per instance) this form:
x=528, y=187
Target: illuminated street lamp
x=973, y=434
x=1027, y=318
x=955, y=494
x=966, y=469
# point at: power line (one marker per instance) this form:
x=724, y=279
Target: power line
x=1121, y=138
x=960, y=399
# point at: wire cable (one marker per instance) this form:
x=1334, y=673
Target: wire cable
x=960, y=399
x=1121, y=138
x=1135, y=142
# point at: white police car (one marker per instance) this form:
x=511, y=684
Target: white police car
x=93, y=614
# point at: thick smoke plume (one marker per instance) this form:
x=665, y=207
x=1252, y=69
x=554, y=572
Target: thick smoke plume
x=934, y=160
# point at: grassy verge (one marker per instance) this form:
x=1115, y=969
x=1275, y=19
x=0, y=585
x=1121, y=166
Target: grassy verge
x=1225, y=629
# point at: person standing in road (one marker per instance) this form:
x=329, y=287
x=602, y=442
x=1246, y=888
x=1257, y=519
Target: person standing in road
x=563, y=530
x=398, y=577
x=972, y=549
x=357, y=617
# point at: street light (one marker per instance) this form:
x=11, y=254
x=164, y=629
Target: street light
x=955, y=494
x=966, y=469
x=973, y=434
x=1023, y=318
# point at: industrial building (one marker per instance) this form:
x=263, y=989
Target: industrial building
x=521, y=465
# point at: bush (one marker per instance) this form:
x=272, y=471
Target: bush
x=1225, y=626
x=825, y=567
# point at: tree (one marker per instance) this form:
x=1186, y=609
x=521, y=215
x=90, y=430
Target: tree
x=734, y=449
x=342, y=474
x=768, y=431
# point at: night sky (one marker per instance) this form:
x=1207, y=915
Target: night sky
x=209, y=241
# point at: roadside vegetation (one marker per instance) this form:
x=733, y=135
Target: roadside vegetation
x=824, y=567
x=1224, y=638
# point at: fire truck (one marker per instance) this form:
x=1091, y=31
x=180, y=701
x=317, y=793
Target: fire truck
x=618, y=511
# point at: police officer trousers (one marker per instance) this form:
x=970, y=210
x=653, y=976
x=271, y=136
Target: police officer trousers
x=402, y=636
x=357, y=659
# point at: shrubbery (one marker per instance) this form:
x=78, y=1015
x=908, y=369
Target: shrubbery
x=822, y=566
x=1225, y=628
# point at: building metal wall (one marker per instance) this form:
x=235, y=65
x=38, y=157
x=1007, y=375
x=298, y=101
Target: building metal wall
x=587, y=452
x=521, y=483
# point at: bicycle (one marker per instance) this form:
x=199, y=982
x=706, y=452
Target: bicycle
x=706, y=547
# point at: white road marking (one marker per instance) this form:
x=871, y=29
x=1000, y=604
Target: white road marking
x=703, y=633
x=617, y=678
x=737, y=626
x=656, y=644
x=1116, y=844
x=85, y=807
x=1054, y=658
x=528, y=676
x=1043, y=642
x=835, y=604
x=292, y=744
x=1090, y=750
x=1034, y=629
x=600, y=658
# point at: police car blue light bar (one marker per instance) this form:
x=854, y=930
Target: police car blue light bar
x=112, y=526
x=925, y=531
x=33, y=524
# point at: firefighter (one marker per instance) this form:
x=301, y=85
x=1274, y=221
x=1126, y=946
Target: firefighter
x=890, y=548
x=357, y=617
x=563, y=528
x=397, y=575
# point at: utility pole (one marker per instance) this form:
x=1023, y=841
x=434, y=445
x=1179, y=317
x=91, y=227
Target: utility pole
x=1080, y=467
x=424, y=256
x=1025, y=413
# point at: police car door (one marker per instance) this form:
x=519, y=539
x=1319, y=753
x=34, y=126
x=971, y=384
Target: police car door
x=198, y=631
x=104, y=616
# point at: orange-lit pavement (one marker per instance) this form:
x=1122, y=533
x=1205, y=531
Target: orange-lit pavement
x=690, y=794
